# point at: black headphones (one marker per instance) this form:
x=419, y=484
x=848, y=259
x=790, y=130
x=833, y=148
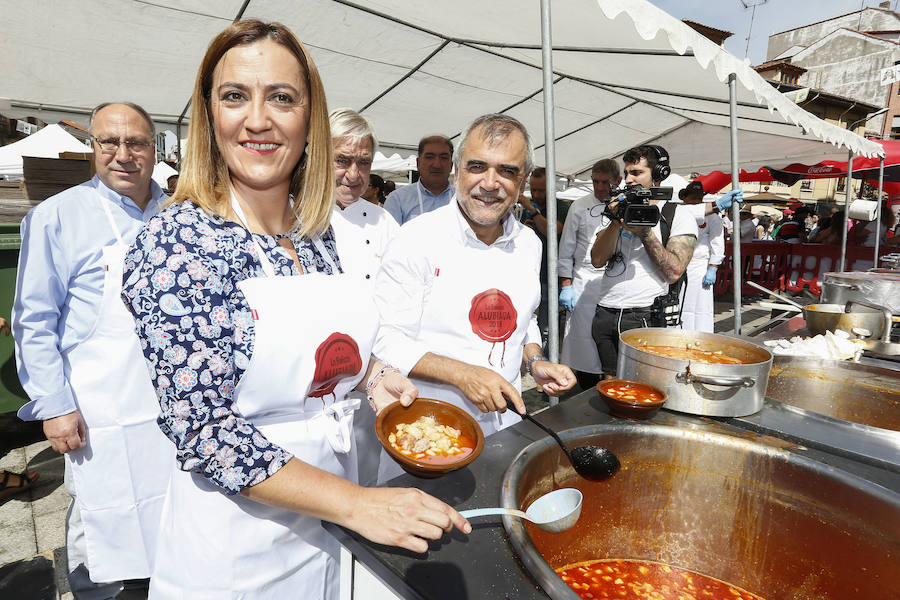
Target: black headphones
x=662, y=169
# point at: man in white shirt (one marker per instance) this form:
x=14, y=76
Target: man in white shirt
x=80, y=361
x=579, y=279
x=362, y=231
x=638, y=267
x=458, y=287
x=433, y=189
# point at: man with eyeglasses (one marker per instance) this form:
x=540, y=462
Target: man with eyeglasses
x=362, y=231
x=80, y=361
x=578, y=278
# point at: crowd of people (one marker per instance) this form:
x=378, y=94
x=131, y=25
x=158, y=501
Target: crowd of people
x=806, y=225
x=211, y=361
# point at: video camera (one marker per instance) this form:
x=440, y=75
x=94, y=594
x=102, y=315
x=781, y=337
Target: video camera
x=635, y=208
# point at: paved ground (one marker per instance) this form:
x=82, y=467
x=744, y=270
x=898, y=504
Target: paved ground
x=32, y=544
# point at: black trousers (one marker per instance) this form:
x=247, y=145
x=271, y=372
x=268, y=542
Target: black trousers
x=608, y=323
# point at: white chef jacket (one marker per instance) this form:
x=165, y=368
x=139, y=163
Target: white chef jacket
x=697, y=301
x=436, y=241
x=362, y=232
x=639, y=281
x=710, y=247
x=582, y=223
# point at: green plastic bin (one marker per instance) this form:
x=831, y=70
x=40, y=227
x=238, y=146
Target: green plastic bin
x=12, y=396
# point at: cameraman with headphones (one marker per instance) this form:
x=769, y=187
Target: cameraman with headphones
x=640, y=261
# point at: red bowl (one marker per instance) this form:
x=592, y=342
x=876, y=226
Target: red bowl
x=647, y=403
x=442, y=412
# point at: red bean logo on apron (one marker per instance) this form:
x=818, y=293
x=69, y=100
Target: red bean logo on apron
x=336, y=358
x=493, y=318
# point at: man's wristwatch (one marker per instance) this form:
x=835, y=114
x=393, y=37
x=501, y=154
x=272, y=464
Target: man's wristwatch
x=532, y=360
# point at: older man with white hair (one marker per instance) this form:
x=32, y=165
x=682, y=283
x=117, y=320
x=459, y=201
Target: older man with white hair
x=362, y=231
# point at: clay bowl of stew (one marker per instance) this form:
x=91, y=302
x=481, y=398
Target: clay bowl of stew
x=417, y=452
x=631, y=399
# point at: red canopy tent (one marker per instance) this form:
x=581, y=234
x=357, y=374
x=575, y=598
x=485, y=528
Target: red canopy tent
x=863, y=168
x=715, y=181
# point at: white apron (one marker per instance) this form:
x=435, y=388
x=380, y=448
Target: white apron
x=466, y=317
x=578, y=348
x=313, y=340
x=697, y=310
x=120, y=476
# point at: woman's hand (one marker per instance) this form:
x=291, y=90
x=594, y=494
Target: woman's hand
x=392, y=387
x=404, y=517
x=555, y=379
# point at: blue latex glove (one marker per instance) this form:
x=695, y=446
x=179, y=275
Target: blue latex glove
x=567, y=298
x=710, y=278
x=725, y=202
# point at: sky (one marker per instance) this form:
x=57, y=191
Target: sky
x=772, y=16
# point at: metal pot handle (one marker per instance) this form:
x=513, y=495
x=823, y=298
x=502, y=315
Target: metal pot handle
x=689, y=378
x=885, y=312
x=852, y=286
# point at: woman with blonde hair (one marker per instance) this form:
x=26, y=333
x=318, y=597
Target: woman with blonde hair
x=255, y=338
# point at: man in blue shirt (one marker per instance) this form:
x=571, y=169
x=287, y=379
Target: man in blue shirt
x=433, y=189
x=78, y=358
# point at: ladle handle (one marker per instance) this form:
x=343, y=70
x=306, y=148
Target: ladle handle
x=549, y=431
x=779, y=296
x=482, y=512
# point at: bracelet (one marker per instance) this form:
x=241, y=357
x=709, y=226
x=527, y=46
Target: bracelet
x=532, y=360
x=376, y=379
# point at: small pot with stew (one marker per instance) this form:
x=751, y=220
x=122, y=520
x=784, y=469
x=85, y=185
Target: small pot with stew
x=701, y=373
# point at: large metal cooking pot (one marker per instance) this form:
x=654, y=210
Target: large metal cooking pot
x=882, y=288
x=866, y=395
x=829, y=317
x=742, y=510
x=695, y=387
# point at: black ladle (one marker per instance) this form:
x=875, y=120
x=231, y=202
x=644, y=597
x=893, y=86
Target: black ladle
x=591, y=462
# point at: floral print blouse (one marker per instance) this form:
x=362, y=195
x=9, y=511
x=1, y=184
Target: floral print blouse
x=196, y=331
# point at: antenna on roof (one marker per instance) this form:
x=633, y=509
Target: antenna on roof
x=752, y=5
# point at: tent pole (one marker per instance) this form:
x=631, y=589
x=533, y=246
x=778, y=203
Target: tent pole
x=178, y=144
x=735, y=208
x=849, y=192
x=550, y=163
x=878, y=210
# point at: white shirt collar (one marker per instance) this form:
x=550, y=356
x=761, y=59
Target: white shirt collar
x=156, y=195
x=467, y=235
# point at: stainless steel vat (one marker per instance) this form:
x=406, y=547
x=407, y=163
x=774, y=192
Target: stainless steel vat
x=852, y=392
x=736, y=507
x=695, y=387
x=880, y=287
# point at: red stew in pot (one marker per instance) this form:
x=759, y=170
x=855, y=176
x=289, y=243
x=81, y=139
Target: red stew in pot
x=716, y=357
x=645, y=580
x=632, y=392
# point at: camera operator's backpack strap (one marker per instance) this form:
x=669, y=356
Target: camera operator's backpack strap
x=669, y=318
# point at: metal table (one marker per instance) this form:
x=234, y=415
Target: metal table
x=483, y=564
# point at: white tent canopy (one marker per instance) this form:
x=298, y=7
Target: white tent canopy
x=393, y=164
x=161, y=174
x=44, y=143
x=626, y=73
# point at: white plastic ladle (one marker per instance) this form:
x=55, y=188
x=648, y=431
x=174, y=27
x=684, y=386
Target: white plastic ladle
x=554, y=512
